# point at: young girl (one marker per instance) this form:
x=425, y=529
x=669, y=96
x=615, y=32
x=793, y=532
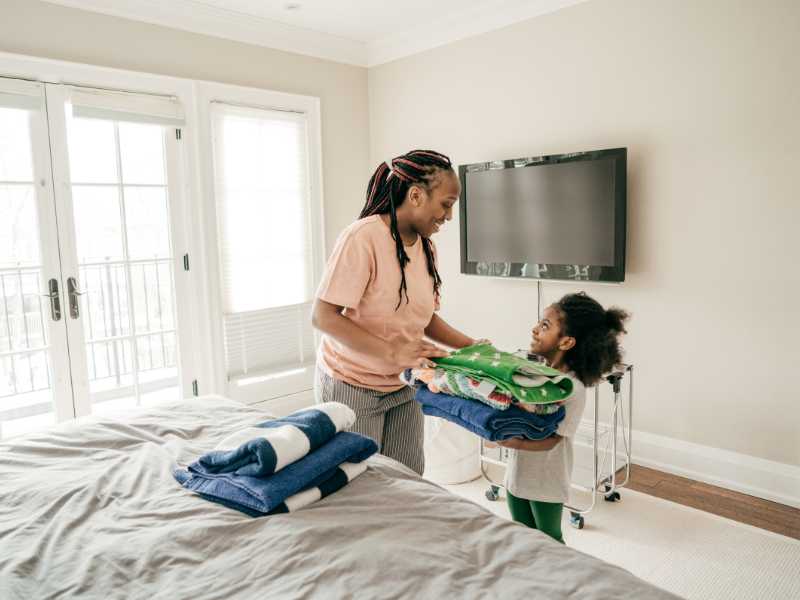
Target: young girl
x=579, y=337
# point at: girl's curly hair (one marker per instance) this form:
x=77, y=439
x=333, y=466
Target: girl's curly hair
x=596, y=332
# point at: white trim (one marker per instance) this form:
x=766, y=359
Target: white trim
x=750, y=475
x=57, y=128
x=466, y=24
x=18, y=93
x=200, y=17
x=60, y=383
x=22, y=87
x=177, y=153
x=206, y=94
x=196, y=361
x=125, y=106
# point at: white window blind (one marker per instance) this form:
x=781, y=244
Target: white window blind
x=265, y=241
x=18, y=93
x=94, y=103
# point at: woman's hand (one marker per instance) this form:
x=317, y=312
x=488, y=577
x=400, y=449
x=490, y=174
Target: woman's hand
x=481, y=341
x=417, y=354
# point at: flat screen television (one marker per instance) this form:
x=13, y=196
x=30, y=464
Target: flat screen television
x=556, y=217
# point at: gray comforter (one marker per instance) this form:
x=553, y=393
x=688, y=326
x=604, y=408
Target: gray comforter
x=91, y=510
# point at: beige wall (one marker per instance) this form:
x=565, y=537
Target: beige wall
x=705, y=95
x=39, y=29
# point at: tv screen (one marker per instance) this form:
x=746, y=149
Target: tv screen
x=548, y=217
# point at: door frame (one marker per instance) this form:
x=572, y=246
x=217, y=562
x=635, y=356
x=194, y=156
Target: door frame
x=58, y=357
x=194, y=342
x=57, y=96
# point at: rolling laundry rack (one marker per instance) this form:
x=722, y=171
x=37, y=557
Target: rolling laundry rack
x=604, y=482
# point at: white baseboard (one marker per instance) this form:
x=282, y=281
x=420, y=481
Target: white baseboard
x=758, y=477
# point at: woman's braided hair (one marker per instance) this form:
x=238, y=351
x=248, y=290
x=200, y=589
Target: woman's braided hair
x=596, y=332
x=386, y=192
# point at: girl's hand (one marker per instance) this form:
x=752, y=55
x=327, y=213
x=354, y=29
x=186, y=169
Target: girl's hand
x=515, y=443
x=481, y=341
x=488, y=444
x=417, y=354
x=532, y=445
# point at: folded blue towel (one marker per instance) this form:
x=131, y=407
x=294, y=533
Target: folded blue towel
x=339, y=477
x=261, y=495
x=268, y=447
x=342, y=475
x=487, y=422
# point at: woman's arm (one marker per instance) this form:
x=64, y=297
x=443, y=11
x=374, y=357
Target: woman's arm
x=328, y=318
x=532, y=445
x=440, y=331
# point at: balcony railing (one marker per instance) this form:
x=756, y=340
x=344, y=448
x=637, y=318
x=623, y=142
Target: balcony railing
x=128, y=352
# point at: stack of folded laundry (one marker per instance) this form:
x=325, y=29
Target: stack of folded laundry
x=282, y=465
x=493, y=393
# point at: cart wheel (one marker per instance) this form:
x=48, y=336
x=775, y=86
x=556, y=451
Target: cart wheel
x=612, y=497
x=492, y=493
x=576, y=520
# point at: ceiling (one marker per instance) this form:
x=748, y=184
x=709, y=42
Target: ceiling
x=360, y=32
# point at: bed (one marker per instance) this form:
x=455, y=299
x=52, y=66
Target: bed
x=91, y=510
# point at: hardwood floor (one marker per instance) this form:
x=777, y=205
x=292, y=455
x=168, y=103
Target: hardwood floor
x=719, y=501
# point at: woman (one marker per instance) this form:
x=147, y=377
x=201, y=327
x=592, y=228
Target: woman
x=378, y=298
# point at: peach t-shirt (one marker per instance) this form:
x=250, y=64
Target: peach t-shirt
x=363, y=276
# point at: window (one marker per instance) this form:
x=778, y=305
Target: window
x=267, y=246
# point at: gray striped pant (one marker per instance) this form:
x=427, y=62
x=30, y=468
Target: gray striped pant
x=393, y=419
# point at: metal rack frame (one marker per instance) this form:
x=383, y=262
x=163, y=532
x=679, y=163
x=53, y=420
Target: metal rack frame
x=606, y=485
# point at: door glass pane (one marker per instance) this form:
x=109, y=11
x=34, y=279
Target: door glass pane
x=26, y=394
x=147, y=218
x=15, y=146
x=98, y=223
x=139, y=164
x=121, y=211
x=92, y=151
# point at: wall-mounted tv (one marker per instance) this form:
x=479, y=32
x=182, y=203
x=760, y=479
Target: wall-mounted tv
x=546, y=217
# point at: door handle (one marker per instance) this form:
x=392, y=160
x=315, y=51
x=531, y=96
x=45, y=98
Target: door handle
x=55, y=299
x=73, y=292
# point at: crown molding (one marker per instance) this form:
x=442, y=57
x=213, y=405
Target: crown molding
x=199, y=17
x=458, y=27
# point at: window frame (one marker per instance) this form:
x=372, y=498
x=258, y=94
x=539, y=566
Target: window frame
x=267, y=385
x=202, y=359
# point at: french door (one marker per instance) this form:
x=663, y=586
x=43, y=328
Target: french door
x=90, y=280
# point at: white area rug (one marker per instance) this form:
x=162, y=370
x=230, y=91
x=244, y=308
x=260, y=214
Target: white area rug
x=689, y=552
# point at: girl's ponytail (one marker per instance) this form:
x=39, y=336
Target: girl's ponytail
x=615, y=320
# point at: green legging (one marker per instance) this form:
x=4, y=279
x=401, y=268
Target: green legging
x=544, y=516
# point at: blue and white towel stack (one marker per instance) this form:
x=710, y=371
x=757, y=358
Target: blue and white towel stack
x=283, y=464
x=487, y=422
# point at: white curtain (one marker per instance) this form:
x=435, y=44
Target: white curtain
x=262, y=195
